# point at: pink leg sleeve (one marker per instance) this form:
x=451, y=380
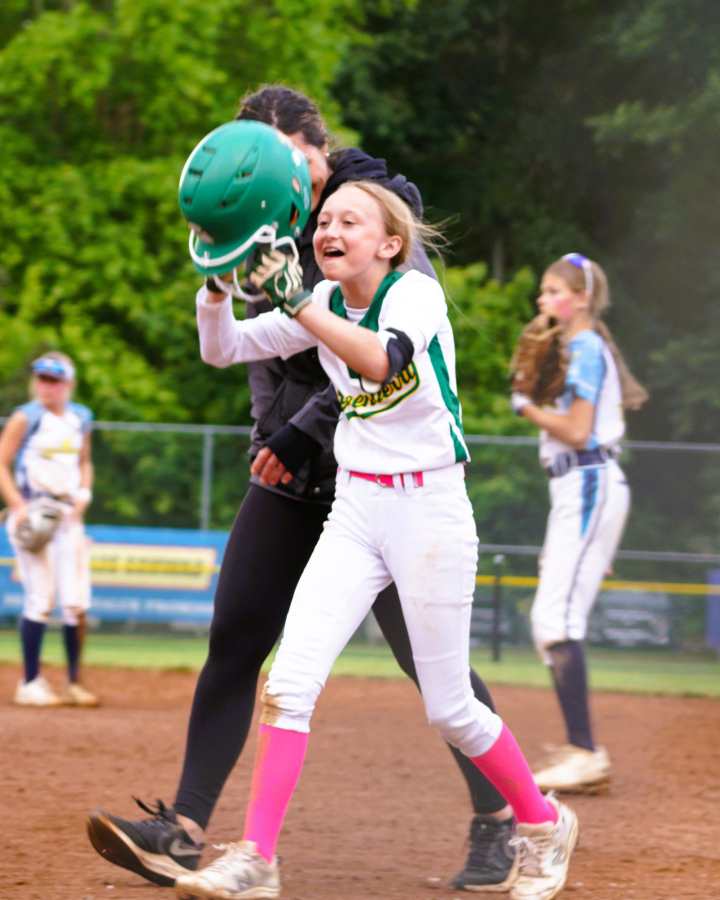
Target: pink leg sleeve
x=278, y=763
x=505, y=766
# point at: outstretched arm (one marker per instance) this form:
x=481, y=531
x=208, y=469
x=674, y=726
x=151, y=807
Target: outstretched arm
x=362, y=350
x=225, y=341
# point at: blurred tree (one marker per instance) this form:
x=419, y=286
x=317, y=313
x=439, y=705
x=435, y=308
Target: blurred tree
x=591, y=127
x=100, y=104
x=583, y=125
x=670, y=107
x=487, y=318
x=467, y=99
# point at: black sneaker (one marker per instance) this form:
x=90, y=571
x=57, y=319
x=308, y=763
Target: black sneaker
x=492, y=863
x=157, y=849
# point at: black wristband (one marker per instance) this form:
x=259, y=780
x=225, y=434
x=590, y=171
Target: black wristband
x=293, y=447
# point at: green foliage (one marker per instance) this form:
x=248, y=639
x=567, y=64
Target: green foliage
x=463, y=98
x=506, y=485
x=155, y=479
x=487, y=318
x=671, y=51
x=146, y=479
x=591, y=127
x=595, y=128
x=99, y=106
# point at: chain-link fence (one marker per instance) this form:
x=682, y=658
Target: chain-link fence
x=188, y=476
x=657, y=595
x=172, y=476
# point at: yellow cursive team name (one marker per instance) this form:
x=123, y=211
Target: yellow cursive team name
x=395, y=391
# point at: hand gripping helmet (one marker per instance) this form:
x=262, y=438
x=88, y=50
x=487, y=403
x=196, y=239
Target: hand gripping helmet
x=245, y=183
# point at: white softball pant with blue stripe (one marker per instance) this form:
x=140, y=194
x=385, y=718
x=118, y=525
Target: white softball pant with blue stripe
x=589, y=509
x=425, y=541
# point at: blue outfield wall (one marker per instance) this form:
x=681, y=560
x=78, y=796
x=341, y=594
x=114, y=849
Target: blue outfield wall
x=145, y=574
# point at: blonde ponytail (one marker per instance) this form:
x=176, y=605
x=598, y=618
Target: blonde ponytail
x=633, y=393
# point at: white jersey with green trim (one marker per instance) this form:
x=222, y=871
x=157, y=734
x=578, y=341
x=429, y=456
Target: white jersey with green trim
x=412, y=424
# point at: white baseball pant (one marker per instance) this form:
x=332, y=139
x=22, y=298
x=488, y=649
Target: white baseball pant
x=589, y=508
x=61, y=568
x=423, y=539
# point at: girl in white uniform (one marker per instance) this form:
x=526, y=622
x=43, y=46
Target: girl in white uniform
x=590, y=500
x=48, y=439
x=401, y=513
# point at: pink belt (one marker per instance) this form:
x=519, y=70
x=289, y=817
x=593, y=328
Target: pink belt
x=387, y=480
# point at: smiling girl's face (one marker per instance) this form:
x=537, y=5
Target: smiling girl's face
x=350, y=239
x=558, y=299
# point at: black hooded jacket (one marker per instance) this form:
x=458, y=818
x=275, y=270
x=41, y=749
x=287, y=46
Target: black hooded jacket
x=351, y=165
x=280, y=389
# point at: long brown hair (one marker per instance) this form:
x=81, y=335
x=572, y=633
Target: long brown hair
x=287, y=110
x=633, y=393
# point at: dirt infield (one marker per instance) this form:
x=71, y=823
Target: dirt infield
x=380, y=807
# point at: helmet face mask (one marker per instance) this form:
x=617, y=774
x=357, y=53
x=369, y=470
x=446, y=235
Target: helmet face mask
x=244, y=184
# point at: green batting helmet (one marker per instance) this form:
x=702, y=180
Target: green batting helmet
x=244, y=183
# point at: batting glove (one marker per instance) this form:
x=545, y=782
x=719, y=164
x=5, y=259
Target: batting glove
x=280, y=277
x=519, y=401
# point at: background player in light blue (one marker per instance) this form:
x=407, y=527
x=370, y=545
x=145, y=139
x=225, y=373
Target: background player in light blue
x=590, y=501
x=48, y=439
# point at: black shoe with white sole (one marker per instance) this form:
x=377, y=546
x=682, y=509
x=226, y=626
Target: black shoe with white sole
x=158, y=849
x=492, y=863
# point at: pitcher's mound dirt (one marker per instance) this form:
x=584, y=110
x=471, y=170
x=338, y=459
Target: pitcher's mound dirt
x=381, y=806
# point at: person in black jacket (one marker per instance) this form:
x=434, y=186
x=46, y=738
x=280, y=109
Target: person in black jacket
x=292, y=487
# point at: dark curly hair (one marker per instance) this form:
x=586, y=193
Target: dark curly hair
x=287, y=110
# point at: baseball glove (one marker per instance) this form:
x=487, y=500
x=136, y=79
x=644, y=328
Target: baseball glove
x=539, y=362
x=279, y=275
x=43, y=518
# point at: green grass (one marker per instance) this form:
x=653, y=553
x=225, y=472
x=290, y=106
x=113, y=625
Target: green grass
x=635, y=672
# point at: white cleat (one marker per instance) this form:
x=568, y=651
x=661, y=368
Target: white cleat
x=239, y=874
x=77, y=695
x=575, y=770
x=544, y=853
x=36, y=693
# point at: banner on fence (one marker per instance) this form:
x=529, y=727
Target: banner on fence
x=145, y=574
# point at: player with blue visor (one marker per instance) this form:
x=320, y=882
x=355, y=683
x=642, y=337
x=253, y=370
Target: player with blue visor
x=47, y=442
x=53, y=368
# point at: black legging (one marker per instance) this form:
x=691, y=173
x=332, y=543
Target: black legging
x=270, y=544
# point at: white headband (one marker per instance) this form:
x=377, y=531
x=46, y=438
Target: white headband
x=582, y=262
